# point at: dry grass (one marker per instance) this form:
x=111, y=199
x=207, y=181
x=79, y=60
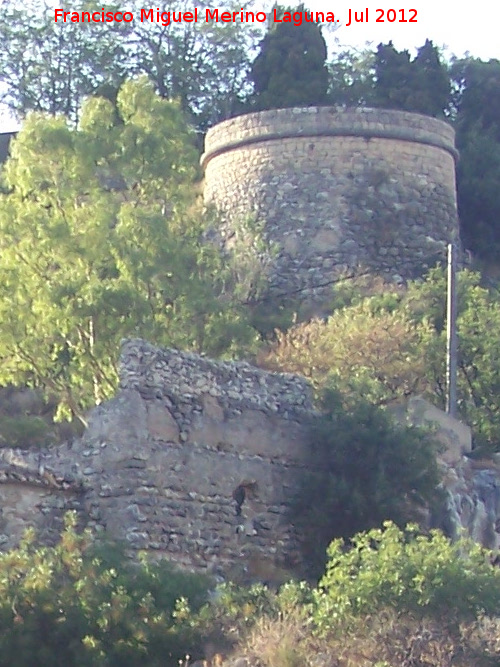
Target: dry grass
x=279, y=643
x=387, y=640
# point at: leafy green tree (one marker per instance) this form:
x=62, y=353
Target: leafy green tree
x=290, y=69
x=351, y=78
x=367, y=470
x=204, y=65
x=101, y=238
x=49, y=66
x=478, y=321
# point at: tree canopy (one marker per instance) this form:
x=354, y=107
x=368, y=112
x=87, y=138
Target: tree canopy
x=49, y=66
x=476, y=100
x=290, y=69
x=101, y=238
x=421, y=84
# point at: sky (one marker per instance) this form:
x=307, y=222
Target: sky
x=473, y=29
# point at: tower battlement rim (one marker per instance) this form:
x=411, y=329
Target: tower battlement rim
x=316, y=122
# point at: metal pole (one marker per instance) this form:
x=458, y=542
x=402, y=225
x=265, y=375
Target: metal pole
x=451, y=334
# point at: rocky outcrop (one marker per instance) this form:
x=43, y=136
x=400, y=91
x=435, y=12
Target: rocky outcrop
x=471, y=487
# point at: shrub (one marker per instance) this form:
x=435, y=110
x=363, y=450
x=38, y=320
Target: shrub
x=390, y=345
x=367, y=469
x=25, y=431
x=369, y=351
x=74, y=605
x=421, y=575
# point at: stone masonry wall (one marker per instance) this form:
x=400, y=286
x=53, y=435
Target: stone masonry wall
x=160, y=462
x=159, y=465
x=337, y=189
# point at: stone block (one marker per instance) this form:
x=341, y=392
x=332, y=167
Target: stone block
x=160, y=423
x=455, y=436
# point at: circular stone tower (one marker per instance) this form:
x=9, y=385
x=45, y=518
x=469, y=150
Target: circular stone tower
x=336, y=190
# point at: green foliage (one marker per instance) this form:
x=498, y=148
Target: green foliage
x=425, y=575
x=23, y=431
x=233, y=611
x=392, y=344
x=71, y=605
x=204, y=65
x=478, y=174
x=430, y=85
x=102, y=238
x=478, y=320
x=477, y=95
x=365, y=348
x=393, y=75
x=420, y=85
x=367, y=469
x=85, y=604
x=49, y=66
x=351, y=78
x=290, y=69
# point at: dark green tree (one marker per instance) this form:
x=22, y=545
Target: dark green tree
x=368, y=469
x=431, y=86
x=290, y=69
x=476, y=95
x=102, y=238
x=477, y=122
x=393, y=77
x=421, y=85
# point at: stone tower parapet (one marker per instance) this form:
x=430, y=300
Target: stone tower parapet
x=337, y=189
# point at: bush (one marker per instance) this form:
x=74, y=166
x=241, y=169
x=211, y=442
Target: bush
x=389, y=345
x=23, y=432
x=368, y=350
x=74, y=605
x=367, y=469
x=421, y=575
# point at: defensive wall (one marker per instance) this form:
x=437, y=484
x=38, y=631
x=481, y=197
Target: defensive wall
x=193, y=459
x=199, y=461
x=337, y=189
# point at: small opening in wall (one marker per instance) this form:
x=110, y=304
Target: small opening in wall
x=244, y=491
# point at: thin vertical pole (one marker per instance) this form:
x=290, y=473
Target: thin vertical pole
x=451, y=334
